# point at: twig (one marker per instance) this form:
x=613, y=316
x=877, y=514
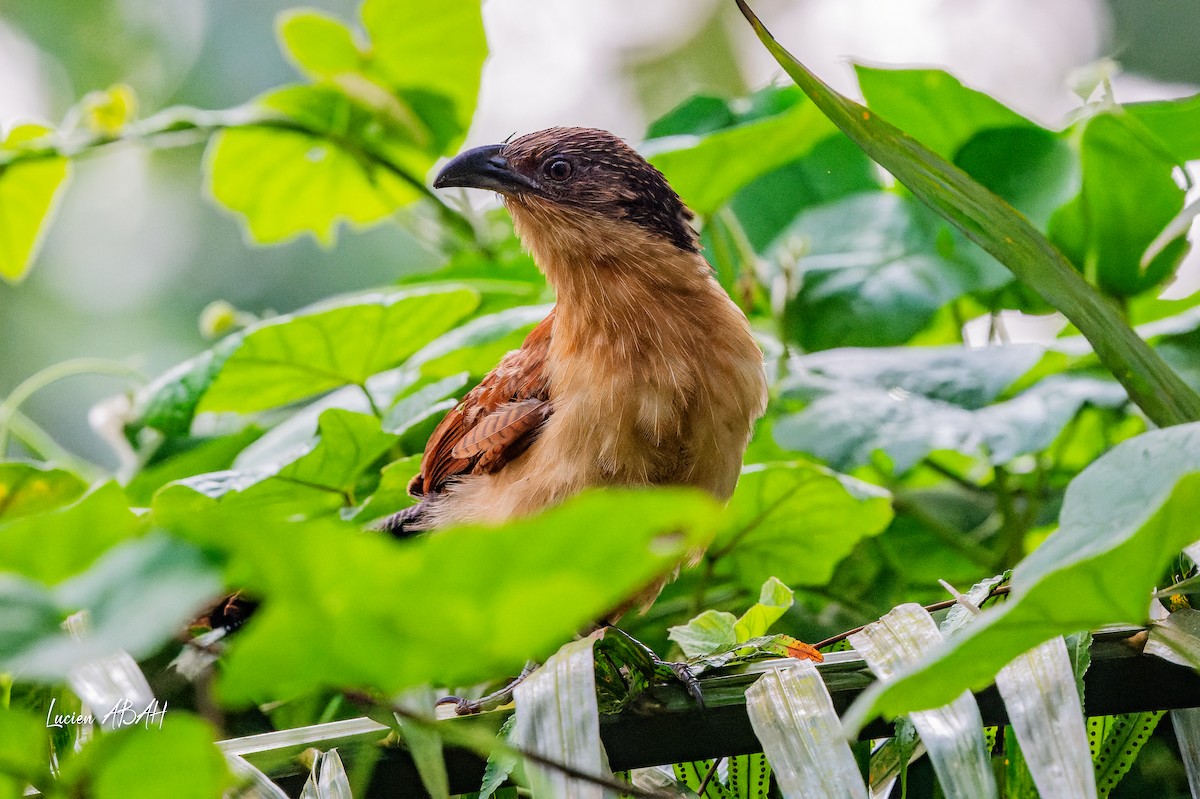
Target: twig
x=999, y=590
x=492, y=745
x=708, y=778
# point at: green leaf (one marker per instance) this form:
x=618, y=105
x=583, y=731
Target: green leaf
x=933, y=106
x=1004, y=234
x=168, y=403
x=372, y=615
x=24, y=751
x=435, y=48
x=323, y=168
x=697, y=115
x=185, y=457
x=413, y=408
x=795, y=522
x=774, y=600
x=1107, y=232
x=1174, y=123
x=391, y=495
x=54, y=545
x=329, y=346
x=348, y=443
x=138, y=595
x=706, y=172
x=477, y=346
x=29, y=192
x=320, y=45
x=1122, y=522
x=710, y=631
x=147, y=762
x=27, y=489
x=1033, y=170
x=910, y=402
x=1117, y=742
x=874, y=269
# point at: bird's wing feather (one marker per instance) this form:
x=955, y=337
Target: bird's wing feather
x=496, y=421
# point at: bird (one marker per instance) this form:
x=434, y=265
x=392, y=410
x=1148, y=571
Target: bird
x=644, y=373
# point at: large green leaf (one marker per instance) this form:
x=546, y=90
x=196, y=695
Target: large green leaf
x=28, y=194
x=24, y=752
x=464, y=605
x=933, y=106
x=874, y=269
x=320, y=45
x=1123, y=521
x=138, y=596
x=331, y=159
x=1107, y=231
x=910, y=402
x=1031, y=169
x=299, y=355
x=1006, y=235
x=27, y=489
x=708, y=171
x=476, y=347
x=795, y=522
x=54, y=545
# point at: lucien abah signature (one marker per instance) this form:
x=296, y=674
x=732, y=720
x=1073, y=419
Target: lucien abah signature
x=122, y=714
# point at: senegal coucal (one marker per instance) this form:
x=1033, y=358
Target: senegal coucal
x=644, y=373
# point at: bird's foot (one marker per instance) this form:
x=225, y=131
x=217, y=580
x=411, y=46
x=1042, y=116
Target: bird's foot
x=633, y=652
x=470, y=707
x=684, y=674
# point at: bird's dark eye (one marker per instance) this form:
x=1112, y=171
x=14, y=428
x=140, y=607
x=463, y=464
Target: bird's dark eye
x=558, y=169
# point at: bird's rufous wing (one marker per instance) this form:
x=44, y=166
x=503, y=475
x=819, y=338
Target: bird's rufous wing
x=496, y=421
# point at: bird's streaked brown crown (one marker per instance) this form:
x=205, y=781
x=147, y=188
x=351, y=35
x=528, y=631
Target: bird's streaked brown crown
x=581, y=168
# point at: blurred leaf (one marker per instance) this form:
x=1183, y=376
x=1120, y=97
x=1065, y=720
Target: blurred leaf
x=709, y=632
x=795, y=522
x=347, y=444
x=834, y=168
x=1105, y=231
x=299, y=355
x=933, y=106
x=908, y=403
x=435, y=48
x=873, y=269
x=697, y=115
x=327, y=778
x=707, y=171
x=138, y=595
x=320, y=45
x=1032, y=169
x=28, y=197
x=1123, y=520
x=179, y=760
x=24, y=752
x=54, y=545
x=1174, y=123
x=372, y=615
x=325, y=167
x=27, y=489
x=168, y=403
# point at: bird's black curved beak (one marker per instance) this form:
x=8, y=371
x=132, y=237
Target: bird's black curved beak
x=483, y=168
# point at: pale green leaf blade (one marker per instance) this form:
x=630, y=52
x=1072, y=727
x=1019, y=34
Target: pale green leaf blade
x=774, y=600
x=708, y=632
x=320, y=45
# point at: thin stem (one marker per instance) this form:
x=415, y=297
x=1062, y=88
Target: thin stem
x=43, y=445
x=485, y=744
x=999, y=590
x=52, y=374
x=712, y=772
x=370, y=400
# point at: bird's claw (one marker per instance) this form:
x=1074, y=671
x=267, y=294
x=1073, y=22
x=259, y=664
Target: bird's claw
x=683, y=673
x=462, y=707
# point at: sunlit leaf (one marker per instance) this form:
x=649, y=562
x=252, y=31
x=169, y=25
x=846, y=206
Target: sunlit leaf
x=1174, y=123
x=322, y=46
x=933, y=106
x=29, y=192
x=708, y=632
